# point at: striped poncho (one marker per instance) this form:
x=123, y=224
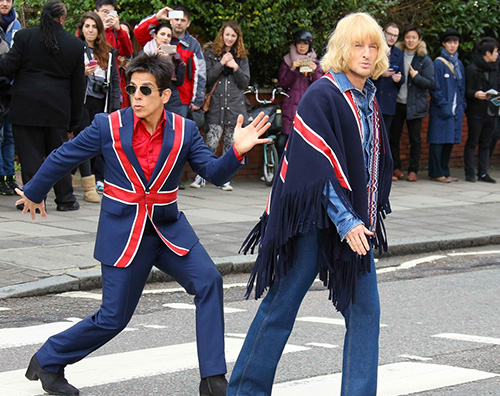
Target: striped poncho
x=324, y=149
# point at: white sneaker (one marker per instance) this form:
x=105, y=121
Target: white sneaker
x=198, y=182
x=227, y=187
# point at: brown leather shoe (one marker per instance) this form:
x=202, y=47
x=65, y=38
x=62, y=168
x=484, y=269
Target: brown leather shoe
x=442, y=179
x=412, y=177
x=397, y=174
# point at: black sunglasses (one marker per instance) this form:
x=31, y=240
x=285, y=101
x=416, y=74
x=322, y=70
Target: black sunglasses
x=145, y=90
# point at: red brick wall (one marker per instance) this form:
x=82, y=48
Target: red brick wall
x=457, y=156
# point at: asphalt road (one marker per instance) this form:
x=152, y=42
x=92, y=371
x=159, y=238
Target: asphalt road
x=440, y=334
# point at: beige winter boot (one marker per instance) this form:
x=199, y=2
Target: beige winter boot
x=89, y=191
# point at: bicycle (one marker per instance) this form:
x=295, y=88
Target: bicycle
x=271, y=160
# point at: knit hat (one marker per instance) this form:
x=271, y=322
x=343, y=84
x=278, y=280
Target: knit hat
x=450, y=34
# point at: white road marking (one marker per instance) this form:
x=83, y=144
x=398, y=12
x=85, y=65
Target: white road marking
x=410, y=264
x=332, y=321
x=193, y=307
x=180, y=306
x=94, y=371
x=417, y=358
x=393, y=380
x=474, y=253
x=317, y=319
x=5, y=309
x=236, y=335
x=322, y=345
x=82, y=294
x=154, y=326
x=20, y=336
x=98, y=296
x=470, y=338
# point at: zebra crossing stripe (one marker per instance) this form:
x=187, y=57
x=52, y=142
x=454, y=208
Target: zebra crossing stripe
x=94, y=371
x=469, y=338
x=395, y=379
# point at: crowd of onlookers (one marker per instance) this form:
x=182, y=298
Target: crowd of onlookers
x=52, y=82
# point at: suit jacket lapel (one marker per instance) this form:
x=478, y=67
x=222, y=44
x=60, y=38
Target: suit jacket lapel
x=126, y=134
x=166, y=147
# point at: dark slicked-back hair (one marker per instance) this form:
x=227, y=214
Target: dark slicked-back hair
x=100, y=3
x=486, y=44
x=412, y=28
x=51, y=10
x=160, y=66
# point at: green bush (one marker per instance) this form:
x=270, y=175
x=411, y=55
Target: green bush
x=269, y=24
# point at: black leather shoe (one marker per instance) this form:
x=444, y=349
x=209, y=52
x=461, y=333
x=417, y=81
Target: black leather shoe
x=486, y=178
x=213, y=386
x=52, y=383
x=66, y=208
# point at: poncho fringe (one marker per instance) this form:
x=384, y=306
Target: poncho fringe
x=302, y=212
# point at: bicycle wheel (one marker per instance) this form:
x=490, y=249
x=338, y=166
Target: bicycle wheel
x=270, y=163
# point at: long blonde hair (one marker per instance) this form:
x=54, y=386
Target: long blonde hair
x=351, y=29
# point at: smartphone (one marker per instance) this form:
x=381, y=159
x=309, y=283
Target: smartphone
x=175, y=14
x=113, y=12
x=168, y=49
x=395, y=68
x=92, y=62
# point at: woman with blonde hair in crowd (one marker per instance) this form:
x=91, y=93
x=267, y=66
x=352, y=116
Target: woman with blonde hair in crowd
x=229, y=73
x=102, y=93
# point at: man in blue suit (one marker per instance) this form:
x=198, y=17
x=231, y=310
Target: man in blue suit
x=145, y=149
x=389, y=83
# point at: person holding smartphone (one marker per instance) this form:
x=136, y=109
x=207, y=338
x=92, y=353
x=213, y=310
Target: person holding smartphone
x=391, y=80
x=160, y=43
x=102, y=94
x=192, y=91
x=115, y=35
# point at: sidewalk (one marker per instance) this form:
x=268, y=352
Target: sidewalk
x=55, y=254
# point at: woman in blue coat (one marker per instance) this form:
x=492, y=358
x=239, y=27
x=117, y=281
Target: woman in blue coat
x=447, y=107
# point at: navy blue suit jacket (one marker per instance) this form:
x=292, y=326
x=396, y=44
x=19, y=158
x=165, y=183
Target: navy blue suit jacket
x=118, y=219
x=387, y=89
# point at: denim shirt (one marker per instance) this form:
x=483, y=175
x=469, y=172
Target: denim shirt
x=343, y=219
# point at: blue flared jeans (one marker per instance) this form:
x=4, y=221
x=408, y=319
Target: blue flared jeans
x=255, y=368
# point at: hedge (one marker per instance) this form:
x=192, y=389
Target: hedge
x=269, y=24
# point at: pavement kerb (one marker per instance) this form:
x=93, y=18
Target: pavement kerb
x=91, y=278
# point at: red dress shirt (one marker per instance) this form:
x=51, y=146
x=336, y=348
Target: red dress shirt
x=147, y=147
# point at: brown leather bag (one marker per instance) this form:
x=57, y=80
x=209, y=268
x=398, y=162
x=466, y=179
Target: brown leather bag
x=208, y=97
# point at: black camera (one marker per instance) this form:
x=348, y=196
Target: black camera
x=100, y=86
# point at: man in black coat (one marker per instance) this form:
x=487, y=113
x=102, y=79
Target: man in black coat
x=47, y=95
x=481, y=75
x=388, y=84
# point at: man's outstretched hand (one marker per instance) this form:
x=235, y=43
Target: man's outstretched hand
x=30, y=206
x=246, y=138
